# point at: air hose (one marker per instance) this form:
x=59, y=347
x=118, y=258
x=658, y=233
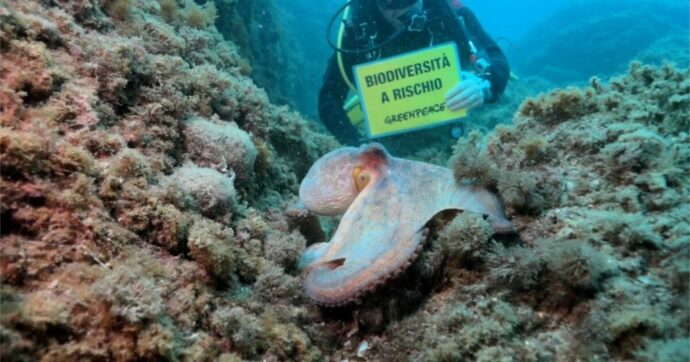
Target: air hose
x=339, y=55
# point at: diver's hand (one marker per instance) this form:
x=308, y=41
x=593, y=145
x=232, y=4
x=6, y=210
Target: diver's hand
x=469, y=93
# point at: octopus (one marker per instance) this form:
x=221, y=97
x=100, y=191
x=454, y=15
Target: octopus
x=385, y=203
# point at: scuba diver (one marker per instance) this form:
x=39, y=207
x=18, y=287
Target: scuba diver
x=377, y=29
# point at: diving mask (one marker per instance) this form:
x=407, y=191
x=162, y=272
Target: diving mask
x=409, y=14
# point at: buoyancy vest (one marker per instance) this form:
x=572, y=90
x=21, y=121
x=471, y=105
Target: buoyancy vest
x=444, y=24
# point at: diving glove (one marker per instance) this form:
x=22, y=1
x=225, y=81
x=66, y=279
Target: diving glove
x=471, y=92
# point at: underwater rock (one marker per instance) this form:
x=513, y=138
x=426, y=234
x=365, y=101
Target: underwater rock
x=672, y=49
x=307, y=222
x=129, y=164
x=202, y=189
x=211, y=245
x=221, y=146
x=599, y=38
x=93, y=112
x=464, y=240
x=516, y=268
x=284, y=250
x=599, y=153
x=273, y=59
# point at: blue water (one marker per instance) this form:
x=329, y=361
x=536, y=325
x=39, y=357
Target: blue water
x=513, y=19
x=561, y=41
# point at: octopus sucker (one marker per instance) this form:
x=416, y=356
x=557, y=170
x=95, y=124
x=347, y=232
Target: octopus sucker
x=386, y=203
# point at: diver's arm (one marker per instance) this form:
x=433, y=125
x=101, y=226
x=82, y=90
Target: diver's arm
x=331, y=99
x=498, y=71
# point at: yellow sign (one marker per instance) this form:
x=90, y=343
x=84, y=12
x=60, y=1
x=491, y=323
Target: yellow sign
x=407, y=92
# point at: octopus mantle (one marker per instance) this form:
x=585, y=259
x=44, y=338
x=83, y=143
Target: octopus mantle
x=385, y=203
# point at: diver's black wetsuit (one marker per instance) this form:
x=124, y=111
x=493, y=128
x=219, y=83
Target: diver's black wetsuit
x=441, y=26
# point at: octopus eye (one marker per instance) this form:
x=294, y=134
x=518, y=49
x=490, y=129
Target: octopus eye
x=361, y=178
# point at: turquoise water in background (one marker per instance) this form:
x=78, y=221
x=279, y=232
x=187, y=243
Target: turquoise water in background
x=562, y=41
